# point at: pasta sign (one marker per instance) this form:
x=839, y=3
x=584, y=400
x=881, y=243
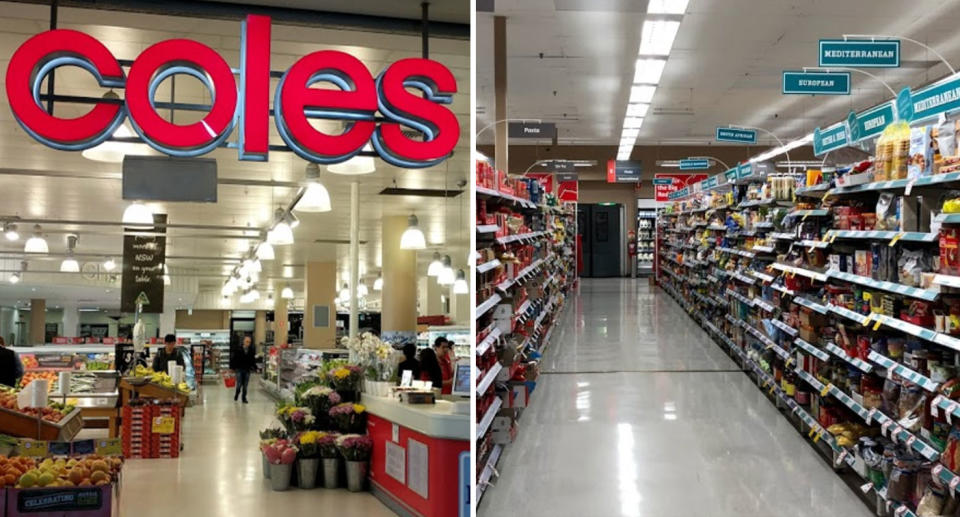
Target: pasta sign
x=356, y=99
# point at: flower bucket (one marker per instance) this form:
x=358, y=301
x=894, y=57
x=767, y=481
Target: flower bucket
x=280, y=476
x=307, y=472
x=266, y=465
x=357, y=475
x=331, y=473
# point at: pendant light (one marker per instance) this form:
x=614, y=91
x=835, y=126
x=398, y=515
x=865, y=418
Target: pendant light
x=292, y=220
x=345, y=293
x=15, y=278
x=138, y=216
x=166, y=276
x=460, y=285
x=109, y=265
x=315, y=197
x=362, y=290
x=265, y=251
x=436, y=265
x=356, y=165
x=10, y=232
x=282, y=234
x=413, y=238
x=36, y=244
x=286, y=293
x=378, y=283
x=446, y=277
x=69, y=264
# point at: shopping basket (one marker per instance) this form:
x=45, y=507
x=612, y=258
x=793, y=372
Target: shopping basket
x=229, y=380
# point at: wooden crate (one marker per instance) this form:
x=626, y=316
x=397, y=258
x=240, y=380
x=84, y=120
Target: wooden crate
x=14, y=423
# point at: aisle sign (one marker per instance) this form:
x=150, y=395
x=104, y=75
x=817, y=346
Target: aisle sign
x=623, y=171
x=744, y=170
x=740, y=136
x=930, y=101
x=710, y=182
x=665, y=184
x=870, y=123
x=731, y=174
x=826, y=140
x=566, y=176
x=860, y=53
x=144, y=257
x=559, y=165
x=692, y=164
x=816, y=83
x=531, y=130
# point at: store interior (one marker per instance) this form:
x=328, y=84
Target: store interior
x=298, y=256
x=791, y=352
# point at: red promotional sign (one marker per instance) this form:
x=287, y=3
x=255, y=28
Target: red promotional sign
x=357, y=98
x=667, y=182
x=568, y=191
x=544, y=178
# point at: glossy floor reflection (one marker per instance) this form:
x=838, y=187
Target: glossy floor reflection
x=219, y=473
x=662, y=425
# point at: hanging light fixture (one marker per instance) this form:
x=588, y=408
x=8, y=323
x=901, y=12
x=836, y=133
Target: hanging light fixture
x=265, y=251
x=166, y=276
x=138, y=216
x=446, y=277
x=315, y=197
x=460, y=286
x=362, y=290
x=378, y=283
x=356, y=165
x=109, y=265
x=286, y=293
x=36, y=244
x=436, y=265
x=292, y=220
x=282, y=234
x=70, y=264
x=10, y=232
x=345, y=293
x=15, y=278
x=412, y=238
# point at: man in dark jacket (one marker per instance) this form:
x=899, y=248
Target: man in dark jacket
x=11, y=369
x=169, y=352
x=243, y=360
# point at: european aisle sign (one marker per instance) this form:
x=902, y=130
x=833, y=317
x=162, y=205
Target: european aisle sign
x=816, y=83
x=741, y=136
x=834, y=137
x=872, y=122
x=694, y=164
x=930, y=101
x=860, y=53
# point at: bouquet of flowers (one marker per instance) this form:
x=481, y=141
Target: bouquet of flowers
x=320, y=399
x=304, y=386
x=280, y=452
x=307, y=442
x=327, y=445
x=346, y=378
x=349, y=417
x=378, y=359
x=295, y=418
x=355, y=447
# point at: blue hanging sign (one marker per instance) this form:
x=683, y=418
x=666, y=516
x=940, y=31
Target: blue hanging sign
x=710, y=183
x=663, y=181
x=744, y=170
x=816, y=83
x=931, y=101
x=741, y=136
x=731, y=175
x=692, y=164
x=870, y=123
x=860, y=53
x=834, y=137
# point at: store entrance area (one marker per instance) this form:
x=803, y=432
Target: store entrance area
x=639, y=412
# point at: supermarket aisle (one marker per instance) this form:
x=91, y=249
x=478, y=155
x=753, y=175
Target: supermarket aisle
x=219, y=473
x=639, y=413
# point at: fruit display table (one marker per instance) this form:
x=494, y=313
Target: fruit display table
x=134, y=386
x=93, y=414
x=15, y=423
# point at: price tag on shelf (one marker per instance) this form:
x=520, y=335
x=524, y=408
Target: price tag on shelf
x=937, y=469
x=878, y=323
x=896, y=238
x=911, y=440
x=954, y=483
x=812, y=431
x=826, y=195
x=870, y=415
x=825, y=390
x=805, y=216
x=885, y=427
x=866, y=487
x=895, y=433
x=817, y=437
x=909, y=186
x=790, y=361
x=935, y=406
x=841, y=457
x=866, y=320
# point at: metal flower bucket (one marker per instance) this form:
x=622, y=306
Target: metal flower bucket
x=280, y=476
x=331, y=473
x=307, y=472
x=266, y=466
x=357, y=475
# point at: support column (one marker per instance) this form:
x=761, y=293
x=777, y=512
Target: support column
x=71, y=320
x=281, y=321
x=429, y=293
x=398, y=318
x=320, y=312
x=354, y=258
x=259, y=328
x=38, y=321
x=500, y=92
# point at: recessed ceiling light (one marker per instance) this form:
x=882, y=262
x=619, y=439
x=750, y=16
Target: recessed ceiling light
x=657, y=37
x=649, y=71
x=667, y=6
x=642, y=94
x=632, y=134
x=632, y=122
x=637, y=110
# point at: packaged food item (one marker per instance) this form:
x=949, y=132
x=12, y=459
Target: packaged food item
x=888, y=217
x=947, y=139
x=921, y=152
x=911, y=267
x=900, y=151
x=949, y=251
x=884, y=163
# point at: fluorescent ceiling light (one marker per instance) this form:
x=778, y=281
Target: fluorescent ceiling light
x=632, y=122
x=642, y=94
x=627, y=142
x=281, y=235
x=10, y=232
x=630, y=133
x=637, y=110
x=667, y=6
x=657, y=37
x=649, y=71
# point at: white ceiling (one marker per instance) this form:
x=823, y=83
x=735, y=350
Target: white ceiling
x=724, y=68
x=90, y=191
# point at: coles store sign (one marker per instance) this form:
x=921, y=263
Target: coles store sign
x=356, y=99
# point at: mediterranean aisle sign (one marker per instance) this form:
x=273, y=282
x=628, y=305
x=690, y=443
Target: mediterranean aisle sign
x=816, y=83
x=740, y=136
x=860, y=53
x=826, y=140
x=929, y=101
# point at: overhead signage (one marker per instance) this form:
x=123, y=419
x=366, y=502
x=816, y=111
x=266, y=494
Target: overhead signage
x=930, y=101
x=860, y=53
x=531, y=130
x=623, y=171
x=567, y=176
x=731, y=175
x=870, y=123
x=826, y=140
x=667, y=183
x=709, y=183
x=816, y=83
x=559, y=165
x=356, y=100
x=165, y=178
x=144, y=257
x=740, y=136
x=745, y=170
x=692, y=164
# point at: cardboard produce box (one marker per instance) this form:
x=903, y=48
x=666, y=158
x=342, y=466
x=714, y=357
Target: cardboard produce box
x=809, y=334
x=812, y=319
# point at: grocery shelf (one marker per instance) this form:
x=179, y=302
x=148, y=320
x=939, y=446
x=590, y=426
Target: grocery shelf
x=488, y=417
x=507, y=197
x=893, y=366
x=519, y=237
x=765, y=305
x=782, y=236
x=818, y=212
x=815, y=275
x=855, y=361
x=882, y=235
x=898, y=184
x=914, y=292
x=816, y=307
x=807, y=243
x=487, y=266
x=487, y=305
x=488, y=341
x=507, y=284
x=487, y=228
x=787, y=329
x=763, y=249
x=762, y=276
x=488, y=470
x=812, y=350
x=813, y=190
x=488, y=378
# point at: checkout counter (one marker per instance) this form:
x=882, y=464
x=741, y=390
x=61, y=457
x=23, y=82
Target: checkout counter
x=416, y=450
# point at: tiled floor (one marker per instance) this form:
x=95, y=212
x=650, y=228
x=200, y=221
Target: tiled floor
x=639, y=413
x=219, y=473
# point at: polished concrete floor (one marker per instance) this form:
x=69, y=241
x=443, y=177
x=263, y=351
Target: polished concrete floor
x=638, y=413
x=219, y=473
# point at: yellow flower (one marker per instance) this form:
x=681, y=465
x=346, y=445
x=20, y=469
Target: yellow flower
x=357, y=408
x=341, y=373
x=309, y=437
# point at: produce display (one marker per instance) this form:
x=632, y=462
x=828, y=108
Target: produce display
x=53, y=412
x=30, y=375
x=161, y=378
x=24, y=472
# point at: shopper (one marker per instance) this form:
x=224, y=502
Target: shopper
x=11, y=369
x=243, y=360
x=169, y=352
x=410, y=363
x=444, y=349
x=430, y=368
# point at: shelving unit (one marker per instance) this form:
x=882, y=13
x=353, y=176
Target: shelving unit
x=519, y=301
x=646, y=240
